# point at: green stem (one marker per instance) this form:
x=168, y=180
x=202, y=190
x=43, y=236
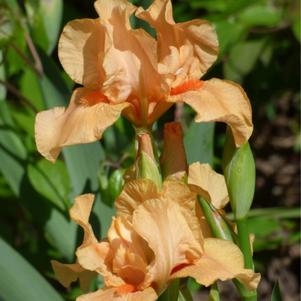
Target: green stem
x=245, y=246
x=246, y=294
x=244, y=242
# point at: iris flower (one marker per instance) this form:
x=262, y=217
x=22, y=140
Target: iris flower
x=156, y=236
x=127, y=71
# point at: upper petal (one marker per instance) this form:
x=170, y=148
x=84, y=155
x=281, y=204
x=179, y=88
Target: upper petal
x=130, y=63
x=221, y=260
x=225, y=101
x=134, y=193
x=186, y=50
x=161, y=223
x=81, y=122
x=68, y=273
x=180, y=193
x=209, y=184
x=81, y=50
x=106, y=9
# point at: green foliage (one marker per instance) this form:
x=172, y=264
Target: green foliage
x=259, y=47
x=32, y=286
x=276, y=295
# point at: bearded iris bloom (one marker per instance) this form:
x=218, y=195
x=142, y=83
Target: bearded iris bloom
x=126, y=71
x=157, y=236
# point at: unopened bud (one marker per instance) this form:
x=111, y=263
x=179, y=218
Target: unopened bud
x=239, y=172
x=146, y=165
x=173, y=159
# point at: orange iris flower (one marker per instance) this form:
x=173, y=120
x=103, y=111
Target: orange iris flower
x=126, y=71
x=157, y=236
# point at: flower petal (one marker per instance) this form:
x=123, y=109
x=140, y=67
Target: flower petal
x=98, y=257
x=180, y=193
x=222, y=260
x=111, y=294
x=106, y=9
x=130, y=64
x=161, y=223
x=225, y=101
x=134, y=193
x=209, y=184
x=79, y=123
x=68, y=273
x=186, y=50
x=80, y=213
x=81, y=50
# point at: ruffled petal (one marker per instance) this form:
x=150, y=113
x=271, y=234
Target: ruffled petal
x=68, y=273
x=186, y=50
x=180, y=193
x=222, y=260
x=134, y=193
x=106, y=9
x=121, y=232
x=131, y=62
x=80, y=213
x=209, y=184
x=98, y=257
x=225, y=101
x=81, y=122
x=81, y=50
x=161, y=223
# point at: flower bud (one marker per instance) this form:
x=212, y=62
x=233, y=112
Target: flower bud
x=173, y=158
x=239, y=172
x=146, y=165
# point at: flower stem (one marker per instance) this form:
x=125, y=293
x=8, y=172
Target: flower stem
x=245, y=246
x=244, y=242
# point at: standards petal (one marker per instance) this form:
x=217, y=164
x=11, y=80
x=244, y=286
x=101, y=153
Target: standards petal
x=209, y=184
x=79, y=123
x=186, y=50
x=225, y=101
x=81, y=50
x=134, y=193
x=161, y=223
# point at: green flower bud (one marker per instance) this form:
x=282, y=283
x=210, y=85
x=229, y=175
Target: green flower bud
x=239, y=172
x=146, y=165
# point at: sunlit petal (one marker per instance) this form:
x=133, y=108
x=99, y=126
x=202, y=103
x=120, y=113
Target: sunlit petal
x=222, y=260
x=186, y=50
x=81, y=50
x=79, y=123
x=161, y=223
x=225, y=101
x=209, y=184
x=133, y=194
